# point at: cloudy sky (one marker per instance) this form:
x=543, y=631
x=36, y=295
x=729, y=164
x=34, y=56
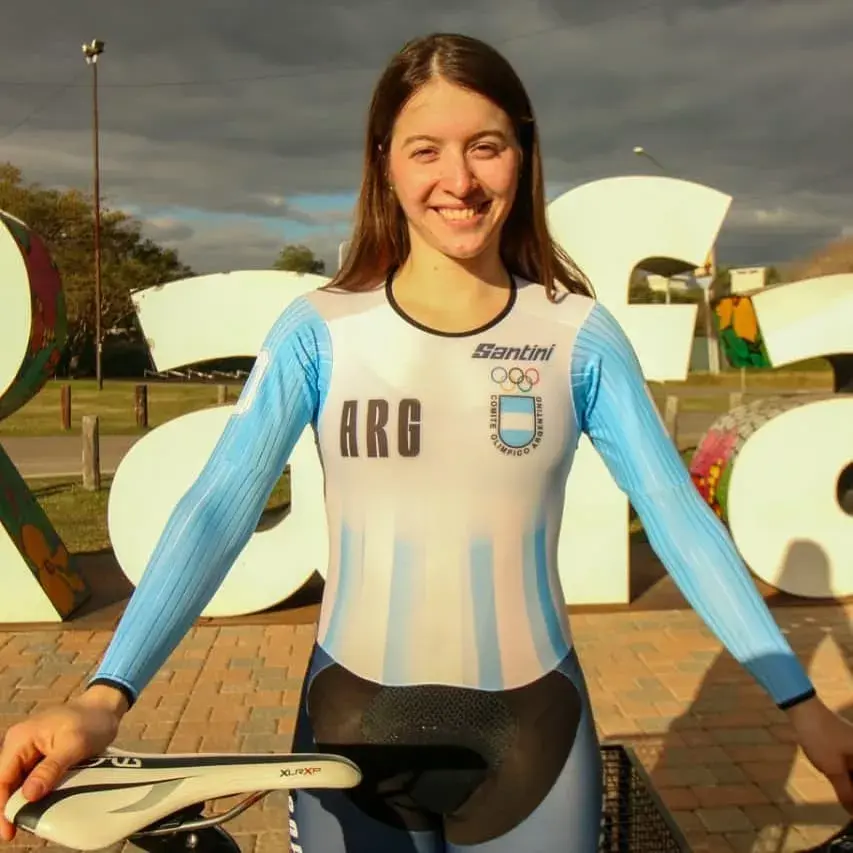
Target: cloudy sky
x=233, y=126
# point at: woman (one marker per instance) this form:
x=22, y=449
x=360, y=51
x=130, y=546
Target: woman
x=448, y=372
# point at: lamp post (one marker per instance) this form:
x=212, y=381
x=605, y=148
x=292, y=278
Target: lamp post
x=711, y=270
x=92, y=51
x=641, y=152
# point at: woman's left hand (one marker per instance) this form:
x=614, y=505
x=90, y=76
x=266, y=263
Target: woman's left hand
x=827, y=741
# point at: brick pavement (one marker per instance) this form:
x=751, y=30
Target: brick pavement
x=720, y=755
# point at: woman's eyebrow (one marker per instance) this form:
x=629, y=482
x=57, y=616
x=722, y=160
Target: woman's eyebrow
x=423, y=137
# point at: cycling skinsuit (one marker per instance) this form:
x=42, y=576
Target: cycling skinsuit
x=443, y=662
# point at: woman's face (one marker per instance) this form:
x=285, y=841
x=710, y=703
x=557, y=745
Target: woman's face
x=454, y=162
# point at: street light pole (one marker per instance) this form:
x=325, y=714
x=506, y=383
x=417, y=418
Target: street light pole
x=641, y=152
x=711, y=264
x=92, y=51
x=710, y=338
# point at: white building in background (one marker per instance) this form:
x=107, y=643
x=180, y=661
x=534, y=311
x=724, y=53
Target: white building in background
x=746, y=279
x=743, y=280
x=704, y=356
x=675, y=284
x=343, y=248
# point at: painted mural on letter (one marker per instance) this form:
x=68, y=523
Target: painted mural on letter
x=716, y=455
x=25, y=522
x=38, y=542
x=49, y=321
x=739, y=332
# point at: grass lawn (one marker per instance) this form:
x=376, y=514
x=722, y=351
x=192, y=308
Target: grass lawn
x=114, y=405
x=80, y=516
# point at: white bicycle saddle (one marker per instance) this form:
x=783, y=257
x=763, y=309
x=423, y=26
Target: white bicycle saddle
x=109, y=798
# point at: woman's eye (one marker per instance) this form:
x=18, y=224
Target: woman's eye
x=483, y=149
x=487, y=150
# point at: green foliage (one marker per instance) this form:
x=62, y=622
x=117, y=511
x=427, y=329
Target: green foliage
x=64, y=220
x=299, y=258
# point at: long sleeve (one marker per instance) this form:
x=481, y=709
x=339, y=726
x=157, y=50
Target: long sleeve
x=615, y=409
x=214, y=520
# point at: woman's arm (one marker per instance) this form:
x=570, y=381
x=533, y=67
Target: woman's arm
x=219, y=513
x=614, y=407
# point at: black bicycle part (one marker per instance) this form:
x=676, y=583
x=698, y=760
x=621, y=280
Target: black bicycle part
x=210, y=839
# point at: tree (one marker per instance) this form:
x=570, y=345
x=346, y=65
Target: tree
x=299, y=258
x=831, y=259
x=65, y=221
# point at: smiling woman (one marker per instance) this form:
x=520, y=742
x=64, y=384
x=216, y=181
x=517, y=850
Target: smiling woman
x=452, y=170
x=443, y=664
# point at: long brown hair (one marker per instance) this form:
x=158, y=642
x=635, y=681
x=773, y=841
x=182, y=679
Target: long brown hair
x=380, y=240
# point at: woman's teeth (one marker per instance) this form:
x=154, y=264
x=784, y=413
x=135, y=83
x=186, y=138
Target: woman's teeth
x=461, y=213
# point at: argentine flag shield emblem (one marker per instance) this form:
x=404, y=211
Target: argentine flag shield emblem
x=516, y=420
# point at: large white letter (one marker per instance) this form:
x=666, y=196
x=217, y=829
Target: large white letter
x=783, y=495
x=39, y=580
x=187, y=322
x=608, y=228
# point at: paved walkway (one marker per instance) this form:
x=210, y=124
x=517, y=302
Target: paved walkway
x=719, y=753
x=62, y=455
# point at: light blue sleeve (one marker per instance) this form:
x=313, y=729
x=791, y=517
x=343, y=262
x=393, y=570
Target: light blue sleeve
x=614, y=408
x=214, y=520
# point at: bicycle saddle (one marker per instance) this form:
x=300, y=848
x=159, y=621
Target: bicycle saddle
x=108, y=798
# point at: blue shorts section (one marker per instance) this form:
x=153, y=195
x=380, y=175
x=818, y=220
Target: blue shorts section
x=569, y=818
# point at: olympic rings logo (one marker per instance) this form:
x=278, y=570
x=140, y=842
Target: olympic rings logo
x=515, y=378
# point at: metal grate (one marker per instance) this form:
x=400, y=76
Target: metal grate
x=841, y=842
x=635, y=819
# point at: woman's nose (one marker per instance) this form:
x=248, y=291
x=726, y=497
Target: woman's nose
x=458, y=177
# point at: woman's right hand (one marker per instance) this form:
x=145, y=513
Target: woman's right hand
x=37, y=752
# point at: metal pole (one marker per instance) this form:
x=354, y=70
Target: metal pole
x=710, y=339
x=92, y=52
x=95, y=135
x=641, y=152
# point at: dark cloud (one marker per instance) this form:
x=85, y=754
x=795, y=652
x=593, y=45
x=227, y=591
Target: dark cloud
x=166, y=230
x=237, y=245
x=240, y=108
x=278, y=207
x=225, y=247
